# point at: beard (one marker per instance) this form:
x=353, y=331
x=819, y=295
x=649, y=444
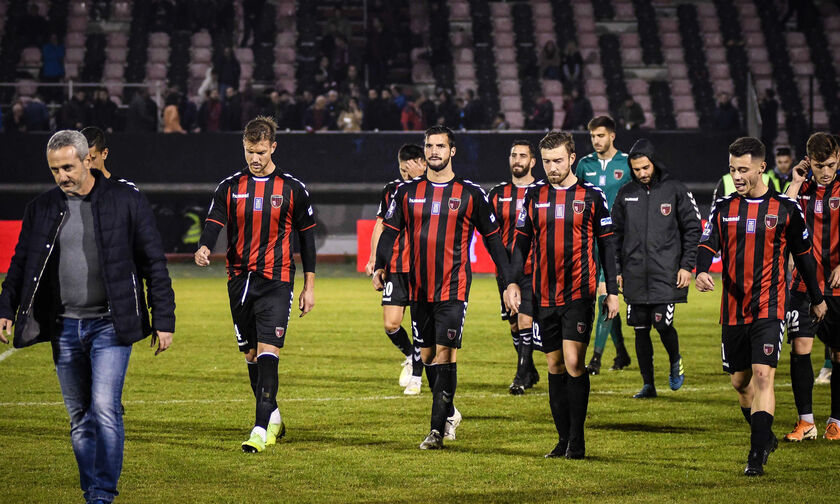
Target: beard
x=519, y=171
x=443, y=164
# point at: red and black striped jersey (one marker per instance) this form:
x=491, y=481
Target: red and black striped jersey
x=821, y=205
x=507, y=199
x=754, y=237
x=439, y=220
x=563, y=226
x=399, y=260
x=260, y=214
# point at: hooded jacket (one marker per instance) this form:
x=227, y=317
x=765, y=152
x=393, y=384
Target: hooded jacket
x=130, y=251
x=657, y=228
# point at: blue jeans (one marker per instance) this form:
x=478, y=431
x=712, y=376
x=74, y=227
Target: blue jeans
x=91, y=365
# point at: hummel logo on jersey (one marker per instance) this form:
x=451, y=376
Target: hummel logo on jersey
x=542, y=205
x=631, y=199
x=732, y=219
x=238, y=196
x=417, y=200
x=804, y=197
x=591, y=174
x=505, y=199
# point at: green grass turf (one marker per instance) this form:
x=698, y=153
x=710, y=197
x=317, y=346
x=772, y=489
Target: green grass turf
x=353, y=436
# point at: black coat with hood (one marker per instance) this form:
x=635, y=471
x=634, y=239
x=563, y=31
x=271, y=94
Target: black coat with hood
x=657, y=228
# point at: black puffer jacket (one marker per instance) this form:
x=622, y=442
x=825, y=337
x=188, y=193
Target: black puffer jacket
x=130, y=250
x=657, y=228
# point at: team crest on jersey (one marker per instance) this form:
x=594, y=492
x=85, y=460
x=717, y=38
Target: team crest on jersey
x=454, y=203
x=618, y=174
x=818, y=206
x=581, y=327
x=770, y=221
x=279, y=331
x=276, y=200
x=834, y=203
x=451, y=333
x=769, y=348
x=258, y=202
x=657, y=317
x=435, y=207
x=665, y=208
x=578, y=206
x=559, y=211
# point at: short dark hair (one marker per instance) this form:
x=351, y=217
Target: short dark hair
x=530, y=146
x=260, y=128
x=555, y=139
x=411, y=151
x=601, y=121
x=441, y=130
x=747, y=145
x=784, y=151
x=95, y=138
x=821, y=146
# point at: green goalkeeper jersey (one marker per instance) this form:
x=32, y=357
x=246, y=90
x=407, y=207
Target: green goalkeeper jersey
x=608, y=175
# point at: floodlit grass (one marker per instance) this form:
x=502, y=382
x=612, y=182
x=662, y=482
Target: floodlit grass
x=353, y=436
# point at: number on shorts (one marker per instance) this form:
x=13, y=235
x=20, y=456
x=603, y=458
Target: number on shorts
x=792, y=320
x=389, y=288
x=537, y=338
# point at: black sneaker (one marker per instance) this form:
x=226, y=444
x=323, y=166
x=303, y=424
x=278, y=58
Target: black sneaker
x=559, y=450
x=533, y=378
x=648, y=392
x=434, y=441
x=576, y=449
x=621, y=361
x=594, y=366
x=755, y=463
x=517, y=387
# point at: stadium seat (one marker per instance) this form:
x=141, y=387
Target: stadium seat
x=76, y=24
x=505, y=55
x=511, y=103
x=74, y=54
x=624, y=11
x=510, y=72
x=687, y=120
x=114, y=71
x=159, y=39
x=202, y=39
x=75, y=39
x=158, y=55
x=683, y=103
x=509, y=88
x=503, y=40
x=156, y=71
x=244, y=55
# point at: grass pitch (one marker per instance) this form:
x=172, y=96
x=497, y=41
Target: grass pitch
x=353, y=436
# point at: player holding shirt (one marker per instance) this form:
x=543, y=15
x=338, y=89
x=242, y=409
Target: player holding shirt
x=755, y=230
x=560, y=224
x=395, y=294
x=608, y=169
x=507, y=199
x=819, y=197
x=439, y=211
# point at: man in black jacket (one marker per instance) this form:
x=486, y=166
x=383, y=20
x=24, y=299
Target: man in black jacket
x=76, y=280
x=657, y=228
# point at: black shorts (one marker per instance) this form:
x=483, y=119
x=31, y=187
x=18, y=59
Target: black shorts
x=647, y=315
x=260, y=309
x=438, y=323
x=757, y=343
x=572, y=321
x=395, y=292
x=800, y=323
x=526, y=307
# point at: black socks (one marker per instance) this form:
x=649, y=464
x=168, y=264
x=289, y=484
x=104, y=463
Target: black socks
x=644, y=354
x=671, y=342
x=578, y=393
x=266, y=388
x=761, y=431
x=802, y=380
x=254, y=375
x=443, y=393
x=526, y=353
x=558, y=401
x=747, y=412
x=400, y=339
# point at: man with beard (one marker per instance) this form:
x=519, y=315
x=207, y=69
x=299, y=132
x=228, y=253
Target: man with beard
x=783, y=172
x=559, y=225
x=607, y=169
x=506, y=200
x=439, y=211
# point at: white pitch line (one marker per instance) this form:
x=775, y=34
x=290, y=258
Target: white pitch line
x=623, y=392
x=7, y=353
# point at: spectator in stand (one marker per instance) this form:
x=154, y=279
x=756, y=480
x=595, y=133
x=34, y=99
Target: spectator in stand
x=317, y=117
x=500, y=122
x=36, y=117
x=324, y=79
x=372, y=120
x=550, y=61
x=542, y=118
x=33, y=27
x=162, y=15
x=52, y=67
x=104, y=111
x=228, y=71
x=340, y=59
x=726, y=115
x=302, y=103
x=447, y=112
x=187, y=112
x=16, y=122
x=210, y=113
x=400, y=99
x=352, y=78
x=334, y=104
x=412, y=118
x=75, y=113
x=142, y=113
x=248, y=101
x=351, y=117
x=211, y=81
x=630, y=114
x=572, y=68
x=336, y=27
x=390, y=112
x=428, y=109
x=171, y=116
x=474, y=116
x=768, y=107
x=282, y=108
x=378, y=52
x=251, y=10
x=579, y=113
x=232, y=111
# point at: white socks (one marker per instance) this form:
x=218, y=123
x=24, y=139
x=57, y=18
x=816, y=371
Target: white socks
x=275, y=417
x=808, y=418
